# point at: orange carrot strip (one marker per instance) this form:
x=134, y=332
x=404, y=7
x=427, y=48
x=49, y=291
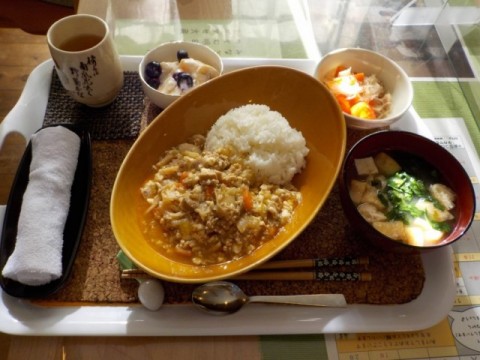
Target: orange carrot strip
x=344, y=103
x=209, y=192
x=339, y=69
x=360, y=77
x=247, y=199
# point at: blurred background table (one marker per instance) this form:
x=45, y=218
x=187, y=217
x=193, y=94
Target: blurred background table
x=434, y=41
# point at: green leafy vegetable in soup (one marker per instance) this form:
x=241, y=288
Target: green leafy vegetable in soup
x=407, y=205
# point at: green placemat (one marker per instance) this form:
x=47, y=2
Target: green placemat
x=229, y=38
x=443, y=99
x=470, y=35
x=277, y=29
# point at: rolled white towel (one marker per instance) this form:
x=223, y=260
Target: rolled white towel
x=37, y=257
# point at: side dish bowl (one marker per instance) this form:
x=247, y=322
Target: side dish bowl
x=433, y=156
x=303, y=101
x=393, y=78
x=168, y=52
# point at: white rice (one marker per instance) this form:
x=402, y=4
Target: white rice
x=272, y=147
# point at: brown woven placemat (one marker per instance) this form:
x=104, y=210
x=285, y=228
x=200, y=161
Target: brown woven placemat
x=119, y=120
x=96, y=273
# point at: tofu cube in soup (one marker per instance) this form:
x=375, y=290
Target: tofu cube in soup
x=370, y=195
x=444, y=195
x=371, y=213
x=393, y=229
x=366, y=166
x=357, y=189
x=386, y=164
x=420, y=233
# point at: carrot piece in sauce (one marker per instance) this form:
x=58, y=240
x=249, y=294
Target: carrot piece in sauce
x=247, y=199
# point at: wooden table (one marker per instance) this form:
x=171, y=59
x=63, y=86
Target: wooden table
x=30, y=51
x=222, y=347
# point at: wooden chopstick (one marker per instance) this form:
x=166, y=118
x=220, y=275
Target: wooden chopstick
x=317, y=272
x=135, y=274
x=314, y=263
x=305, y=275
x=274, y=275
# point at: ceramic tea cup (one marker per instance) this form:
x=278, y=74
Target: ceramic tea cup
x=85, y=58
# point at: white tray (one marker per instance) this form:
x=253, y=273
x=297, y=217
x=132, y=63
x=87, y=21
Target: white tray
x=20, y=317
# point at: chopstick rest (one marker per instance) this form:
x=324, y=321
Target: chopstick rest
x=37, y=257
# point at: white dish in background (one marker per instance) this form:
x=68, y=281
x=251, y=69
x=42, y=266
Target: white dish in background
x=169, y=52
x=21, y=317
x=394, y=79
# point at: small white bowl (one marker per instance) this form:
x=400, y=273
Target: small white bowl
x=391, y=75
x=168, y=52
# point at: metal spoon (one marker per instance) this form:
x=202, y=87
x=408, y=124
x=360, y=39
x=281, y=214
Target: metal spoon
x=222, y=297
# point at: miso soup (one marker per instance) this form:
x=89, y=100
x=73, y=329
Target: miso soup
x=403, y=197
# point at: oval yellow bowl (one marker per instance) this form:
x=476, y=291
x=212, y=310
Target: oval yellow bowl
x=302, y=100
